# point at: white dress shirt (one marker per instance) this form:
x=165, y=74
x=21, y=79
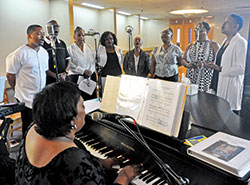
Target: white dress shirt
x=30, y=67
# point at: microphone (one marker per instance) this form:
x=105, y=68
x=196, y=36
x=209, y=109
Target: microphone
x=50, y=30
x=129, y=29
x=92, y=33
x=97, y=116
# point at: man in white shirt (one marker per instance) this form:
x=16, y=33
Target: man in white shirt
x=26, y=71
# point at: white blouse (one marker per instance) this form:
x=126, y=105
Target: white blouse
x=81, y=60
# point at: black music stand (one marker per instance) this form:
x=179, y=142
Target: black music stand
x=7, y=164
x=98, y=68
x=184, y=125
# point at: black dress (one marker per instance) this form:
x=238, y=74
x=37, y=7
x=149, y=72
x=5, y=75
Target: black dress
x=72, y=166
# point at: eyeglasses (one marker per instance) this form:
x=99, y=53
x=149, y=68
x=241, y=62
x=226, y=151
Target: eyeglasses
x=56, y=26
x=108, y=38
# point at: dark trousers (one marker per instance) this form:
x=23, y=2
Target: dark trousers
x=237, y=112
x=171, y=78
x=27, y=119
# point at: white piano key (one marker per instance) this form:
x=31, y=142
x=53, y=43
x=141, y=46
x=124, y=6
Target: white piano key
x=94, y=152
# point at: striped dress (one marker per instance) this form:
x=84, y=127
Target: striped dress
x=200, y=52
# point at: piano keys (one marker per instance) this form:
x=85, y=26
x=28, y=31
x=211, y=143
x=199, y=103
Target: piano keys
x=106, y=138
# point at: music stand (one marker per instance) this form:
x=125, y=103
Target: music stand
x=98, y=69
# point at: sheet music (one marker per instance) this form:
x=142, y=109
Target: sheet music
x=131, y=95
x=110, y=94
x=2, y=86
x=160, y=107
x=91, y=105
x=86, y=85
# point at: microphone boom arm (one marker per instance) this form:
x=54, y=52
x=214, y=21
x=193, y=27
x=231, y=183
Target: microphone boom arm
x=164, y=167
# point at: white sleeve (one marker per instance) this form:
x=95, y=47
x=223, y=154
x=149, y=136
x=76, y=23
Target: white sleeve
x=73, y=66
x=239, y=60
x=13, y=64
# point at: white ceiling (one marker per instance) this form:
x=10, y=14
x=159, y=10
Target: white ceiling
x=158, y=9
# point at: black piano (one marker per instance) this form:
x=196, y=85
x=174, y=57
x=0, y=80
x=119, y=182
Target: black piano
x=110, y=139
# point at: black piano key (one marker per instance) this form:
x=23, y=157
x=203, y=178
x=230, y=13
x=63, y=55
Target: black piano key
x=89, y=137
x=105, y=150
x=83, y=135
x=94, y=141
x=99, y=145
x=158, y=182
x=163, y=182
x=151, y=178
x=145, y=174
x=114, y=153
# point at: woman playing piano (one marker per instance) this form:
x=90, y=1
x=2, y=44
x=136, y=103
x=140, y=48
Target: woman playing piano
x=48, y=154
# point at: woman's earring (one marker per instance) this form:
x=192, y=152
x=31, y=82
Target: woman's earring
x=73, y=127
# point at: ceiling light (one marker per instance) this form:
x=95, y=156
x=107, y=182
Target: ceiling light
x=145, y=18
x=123, y=13
x=92, y=6
x=188, y=11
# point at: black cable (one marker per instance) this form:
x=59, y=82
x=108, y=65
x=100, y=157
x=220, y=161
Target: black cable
x=164, y=167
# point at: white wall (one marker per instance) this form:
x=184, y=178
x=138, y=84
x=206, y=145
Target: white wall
x=103, y=20
x=121, y=34
x=15, y=17
x=130, y=21
x=87, y=19
x=59, y=11
x=151, y=32
x=106, y=21
x=218, y=21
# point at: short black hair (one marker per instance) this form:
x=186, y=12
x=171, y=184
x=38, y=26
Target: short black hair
x=52, y=21
x=168, y=30
x=239, y=20
x=77, y=29
x=54, y=108
x=206, y=26
x=105, y=34
x=32, y=28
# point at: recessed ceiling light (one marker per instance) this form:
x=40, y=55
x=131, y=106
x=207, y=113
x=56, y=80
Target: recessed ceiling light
x=145, y=18
x=92, y=6
x=188, y=11
x=123, y=13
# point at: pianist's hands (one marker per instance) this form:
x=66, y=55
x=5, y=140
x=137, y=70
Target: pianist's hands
x=127, y=174
x=110, y=162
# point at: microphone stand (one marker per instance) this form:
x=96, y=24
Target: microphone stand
x=129, y=40
x=53, y=47
x=98, y=73
x=164, y=167
x=5, y=127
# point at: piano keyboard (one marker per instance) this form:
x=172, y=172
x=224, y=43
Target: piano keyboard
x=99, y=149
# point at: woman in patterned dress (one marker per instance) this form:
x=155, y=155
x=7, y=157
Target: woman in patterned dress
x=198, y=55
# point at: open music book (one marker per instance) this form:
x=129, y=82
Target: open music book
x=224, y=151
x=153, y=103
